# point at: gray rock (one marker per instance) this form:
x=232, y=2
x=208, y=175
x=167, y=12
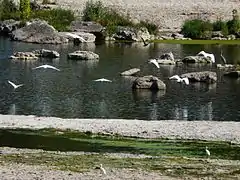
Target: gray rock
x=166, y=62
x=167, y=56
x=226, y=66
x=148, y=82
x=7, y=26
x=196, y=59
x=130, y=72
x=86, y=26
x=88, y=37
x=24, y=56
x=83, y=55
x=46, y=53
x=177, y=36
x=125, y=33
x=204, y=76
x=217, y=34
x=233, y=74
x=79, y=37
x=38, y=31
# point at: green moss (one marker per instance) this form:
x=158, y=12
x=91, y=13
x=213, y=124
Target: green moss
x=74, y=141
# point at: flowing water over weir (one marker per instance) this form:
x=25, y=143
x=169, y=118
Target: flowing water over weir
x=72, y=93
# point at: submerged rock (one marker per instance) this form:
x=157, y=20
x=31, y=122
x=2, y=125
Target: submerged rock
x=233, y=74
x=149, y=82
x=130, y=72
x=167, y=56
x=196, y=59
x=204, y=76
x=83, y=55
x=24, y=56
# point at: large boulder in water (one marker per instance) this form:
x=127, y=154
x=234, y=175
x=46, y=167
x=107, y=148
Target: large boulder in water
x=83, y=55
x=149, y=82
x=203, y=76
x=38, y=31
x=7, y=26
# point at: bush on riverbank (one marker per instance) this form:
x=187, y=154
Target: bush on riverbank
x=96, y=11
x=58, y=18
x=200, y=29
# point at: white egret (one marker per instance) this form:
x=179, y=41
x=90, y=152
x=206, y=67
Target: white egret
x=14, y=85
x=176, y=77
x=102, y=80
x=207, y=55
x=102, y=169
x=207, y=151
x=154, y=61
x=223, y=58
x=45, y=66
x=144, y=42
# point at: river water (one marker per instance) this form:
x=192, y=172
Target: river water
x=72, y=93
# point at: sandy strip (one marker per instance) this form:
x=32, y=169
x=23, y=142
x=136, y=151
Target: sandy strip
x=203, y=130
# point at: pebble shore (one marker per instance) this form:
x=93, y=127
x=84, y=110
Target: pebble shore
x=172, y=129
x=168, y=14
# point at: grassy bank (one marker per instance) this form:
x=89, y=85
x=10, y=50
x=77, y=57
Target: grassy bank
x=199, y=41
x=178, y=158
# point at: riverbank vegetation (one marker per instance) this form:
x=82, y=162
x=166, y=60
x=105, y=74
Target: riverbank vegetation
x=177, y=158
x=58, y=18
x=203, y=29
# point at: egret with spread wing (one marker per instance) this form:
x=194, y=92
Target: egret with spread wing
x=176, y=77
x=102, y=80
x=144, y=42
x=45, y=66
x=154, y=61
x=14, y=85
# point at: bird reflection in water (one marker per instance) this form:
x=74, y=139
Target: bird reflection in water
x=139, y=94
x=12, y=109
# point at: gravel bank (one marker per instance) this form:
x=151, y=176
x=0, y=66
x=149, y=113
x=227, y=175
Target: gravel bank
x=201, y=130
x=168, y=14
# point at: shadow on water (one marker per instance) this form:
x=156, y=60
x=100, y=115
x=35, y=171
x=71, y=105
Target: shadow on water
x=54, y=140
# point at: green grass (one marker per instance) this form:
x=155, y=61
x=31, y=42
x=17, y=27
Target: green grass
x=178, y=158
x=198, y=41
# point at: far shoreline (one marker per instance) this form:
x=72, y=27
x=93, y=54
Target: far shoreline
x=227, y=131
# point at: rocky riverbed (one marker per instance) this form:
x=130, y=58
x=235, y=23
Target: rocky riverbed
x=168, y=14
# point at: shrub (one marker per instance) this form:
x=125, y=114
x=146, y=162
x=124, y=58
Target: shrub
x=220, y=25
x=58, y=18
x=152, y=28
x=96, y=11
x=8, y=10
x=25, y=9
x=197, y=29
x=233, y=26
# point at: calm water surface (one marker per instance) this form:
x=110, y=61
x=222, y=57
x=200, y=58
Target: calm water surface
x=72, y=93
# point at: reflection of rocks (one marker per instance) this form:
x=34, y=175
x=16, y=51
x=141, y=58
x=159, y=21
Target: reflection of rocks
x=130, y=72
x=149, y=82
x=139, y=94
x=204, y=76
x=233, y=74
x=83, y=55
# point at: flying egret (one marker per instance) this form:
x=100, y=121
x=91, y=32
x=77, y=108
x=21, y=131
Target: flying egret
x=102, y=80
x=223, y=58
x=207, y=55
x=154, y=61
x=144, y=42
x=103, y=170
x=45, y=66
x=14, y=85
x=176, y=77
x=207, y=151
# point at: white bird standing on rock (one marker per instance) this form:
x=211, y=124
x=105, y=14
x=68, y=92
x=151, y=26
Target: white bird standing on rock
x=45, y=66
x=14, y=85
x=207, y=151
x=102, y=169
x=176, y=77
x=154, y=61
x=102, y=80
